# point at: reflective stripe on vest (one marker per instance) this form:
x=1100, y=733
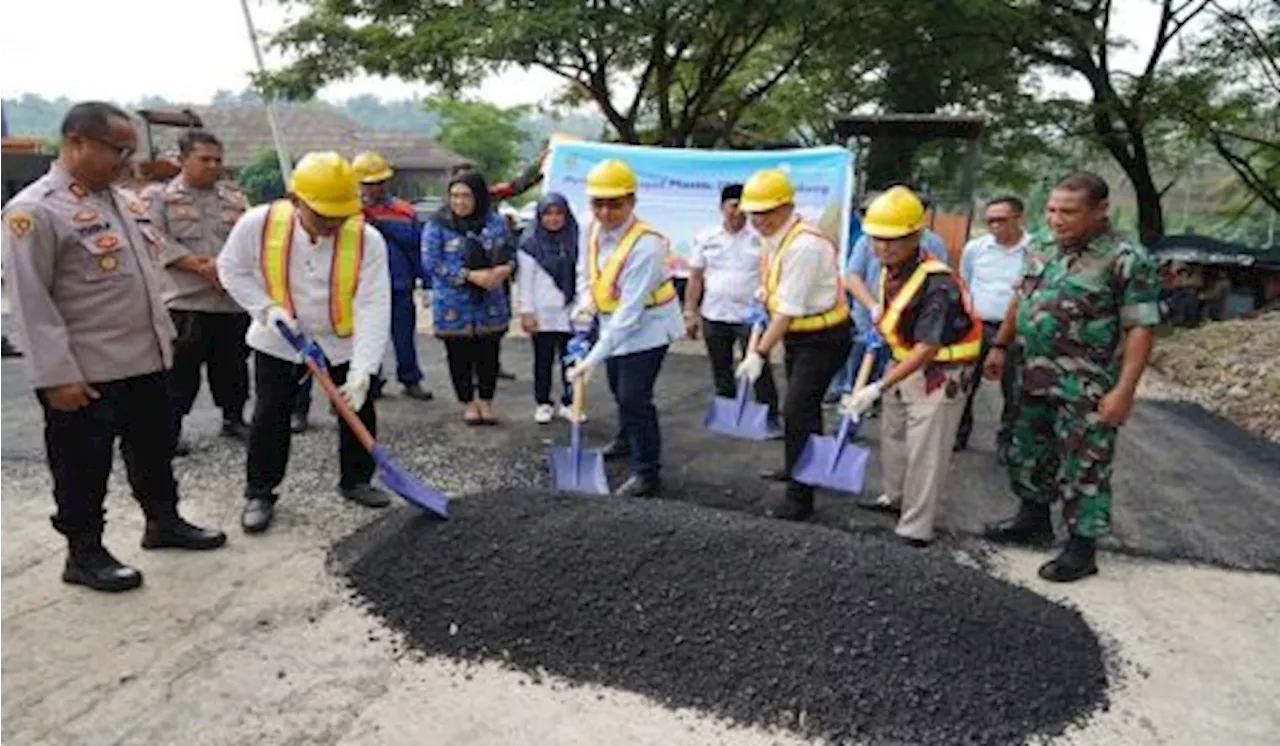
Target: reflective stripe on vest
x=771, y=270
x=604, y=282
x=965, y=351
x=344, y=271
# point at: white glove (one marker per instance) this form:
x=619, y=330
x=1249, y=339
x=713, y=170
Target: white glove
x=876, y=312
x=751, y=367
x=277, y=313
x=356, y=390
x=585, y=313
x=857, y=403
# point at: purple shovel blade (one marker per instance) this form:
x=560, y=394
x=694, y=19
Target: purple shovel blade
x=406, y=486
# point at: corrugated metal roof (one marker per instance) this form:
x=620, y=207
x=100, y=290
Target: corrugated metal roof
x=244, y=131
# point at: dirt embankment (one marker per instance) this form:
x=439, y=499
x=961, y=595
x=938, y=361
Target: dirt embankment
x=1229, y=367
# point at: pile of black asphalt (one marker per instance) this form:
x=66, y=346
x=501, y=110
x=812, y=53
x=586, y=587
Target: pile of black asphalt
x=813, y=630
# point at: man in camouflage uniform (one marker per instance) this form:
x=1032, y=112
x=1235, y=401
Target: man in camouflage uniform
x=1083, y=313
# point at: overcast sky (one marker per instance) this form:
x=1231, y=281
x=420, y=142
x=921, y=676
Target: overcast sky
x=119, y=50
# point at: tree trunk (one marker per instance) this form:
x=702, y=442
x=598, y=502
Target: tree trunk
x=1150, y=211
x=910, y=88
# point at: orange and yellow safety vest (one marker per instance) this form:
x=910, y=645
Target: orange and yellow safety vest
x=344, y=271
x=965, y=351
x=771, y=270
x=604, y=280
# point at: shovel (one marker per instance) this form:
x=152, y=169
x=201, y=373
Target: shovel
x=572, y=468
x=832, y=462
x=396, y=479
x=742, y=416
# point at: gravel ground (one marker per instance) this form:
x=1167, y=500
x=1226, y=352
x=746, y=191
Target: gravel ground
x=816, y=631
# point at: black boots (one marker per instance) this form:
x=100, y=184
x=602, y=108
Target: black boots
x=415, y=391
x=366, y=495
x=91, y=565
x=176, y=533
x=1076, y=562
x=791, y=508
x=234, y=428
x=637, y=486
x=1030, y=526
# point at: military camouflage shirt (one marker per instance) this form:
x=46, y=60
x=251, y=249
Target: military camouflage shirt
x=1073, y=306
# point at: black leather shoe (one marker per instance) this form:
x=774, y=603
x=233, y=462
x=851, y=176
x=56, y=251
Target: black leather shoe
x=914, y=543
x=257, y=515
x=506, y=375
x=94, y=567
x=178, y=534
x=960, y=445
x=415, y=391
x=618, y=449
x=1031, y=526
x=775, y=475
x=236, y=429
x=637, y=486
x=791, y=509
x=298, y=424
x=367, y=495
x=1077, y=561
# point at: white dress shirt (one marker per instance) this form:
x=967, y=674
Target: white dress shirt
x=537, y=293
x=809, y=278
x=240, y=269
x=731, y=272
x=990, y=270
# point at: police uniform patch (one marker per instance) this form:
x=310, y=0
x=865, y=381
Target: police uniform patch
x=85, y=217
x=77, y=189
x=107, y=241
x=108, y=262
x=19, y=224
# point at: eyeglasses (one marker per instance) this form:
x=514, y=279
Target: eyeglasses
x=122, y=153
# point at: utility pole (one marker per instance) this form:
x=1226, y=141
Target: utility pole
x=282, y=154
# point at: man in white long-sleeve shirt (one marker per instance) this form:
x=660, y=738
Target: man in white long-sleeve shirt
x=622, y=276
x=311, y=264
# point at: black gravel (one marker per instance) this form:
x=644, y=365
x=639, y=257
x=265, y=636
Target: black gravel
x=821, y=632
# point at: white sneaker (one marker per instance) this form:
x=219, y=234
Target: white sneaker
x=543, y=414
x=566, y=413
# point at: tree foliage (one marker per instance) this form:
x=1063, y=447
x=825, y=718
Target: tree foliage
x=656, y=69
x=261, y=179
x=489, y=136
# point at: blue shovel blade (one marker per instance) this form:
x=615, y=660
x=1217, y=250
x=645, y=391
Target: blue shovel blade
x=406, y=486
x=826, y=462
x=739, y=417
x=580, y=471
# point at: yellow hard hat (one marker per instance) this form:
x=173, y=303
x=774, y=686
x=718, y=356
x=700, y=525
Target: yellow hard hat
x=896, y=213
x=767, y=190
x=327, y=184
x=372, y=168
x=611, y=178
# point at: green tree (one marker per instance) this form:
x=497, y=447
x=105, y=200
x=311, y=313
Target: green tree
x=623, y=56
x=488, y=135
x=261, y=178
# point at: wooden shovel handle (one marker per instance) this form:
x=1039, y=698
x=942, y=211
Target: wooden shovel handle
x=864, y=370
x=344, y=409
x=579, y=398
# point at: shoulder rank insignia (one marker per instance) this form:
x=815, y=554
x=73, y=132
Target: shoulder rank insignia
x=19, y=223
x=84, y=216
x=107, y=241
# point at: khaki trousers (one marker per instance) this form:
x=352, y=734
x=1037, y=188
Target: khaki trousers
x=917, y=432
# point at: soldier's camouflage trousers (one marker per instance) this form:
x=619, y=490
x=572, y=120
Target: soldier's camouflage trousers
x=1060, y=450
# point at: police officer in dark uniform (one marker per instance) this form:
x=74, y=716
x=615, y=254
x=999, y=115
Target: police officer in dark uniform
x=81, y=261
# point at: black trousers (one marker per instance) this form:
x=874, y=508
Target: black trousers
x=473, y=366
x=79, y=447
x=721, y=338
x=1008, y=386
x=812, y=359
x=276, y=387
x=547, y=348
x=214, y=341
x=631, y=379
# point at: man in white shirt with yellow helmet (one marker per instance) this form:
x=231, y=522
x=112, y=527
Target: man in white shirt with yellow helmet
x=808, y=316
x=311, y=263
x=623, y=279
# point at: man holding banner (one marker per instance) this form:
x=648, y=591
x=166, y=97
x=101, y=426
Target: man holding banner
x=808, y=314
x=623, y=278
